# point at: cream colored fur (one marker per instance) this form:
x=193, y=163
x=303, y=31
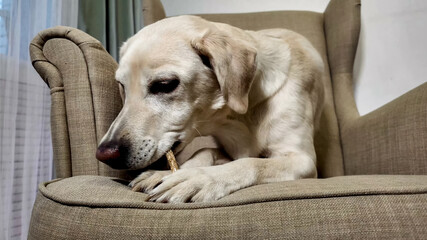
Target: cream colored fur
x=261, y=100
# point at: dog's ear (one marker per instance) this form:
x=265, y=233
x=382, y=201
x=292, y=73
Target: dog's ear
x=234, y=64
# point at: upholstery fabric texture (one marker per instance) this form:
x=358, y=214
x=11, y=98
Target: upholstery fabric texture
x=391, y=139
x=85, y=97
x=351, y=207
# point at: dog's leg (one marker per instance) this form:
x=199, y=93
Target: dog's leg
x=203, y=184
x=205, y=157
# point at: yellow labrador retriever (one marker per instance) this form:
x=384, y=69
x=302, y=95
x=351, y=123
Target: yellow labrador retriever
x=259, y=94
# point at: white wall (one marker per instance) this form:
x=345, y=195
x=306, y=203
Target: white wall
x=179, y=7
x=392, y=53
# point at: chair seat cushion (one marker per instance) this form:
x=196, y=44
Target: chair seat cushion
x=95, y=207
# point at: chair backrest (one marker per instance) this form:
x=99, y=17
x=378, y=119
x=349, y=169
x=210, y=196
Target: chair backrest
x=85, y=97
x=334, y=34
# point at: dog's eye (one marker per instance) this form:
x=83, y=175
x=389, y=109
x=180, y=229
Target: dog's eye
x=164, y=86
x=205, y=60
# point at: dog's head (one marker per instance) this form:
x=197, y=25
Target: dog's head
x=174, y=76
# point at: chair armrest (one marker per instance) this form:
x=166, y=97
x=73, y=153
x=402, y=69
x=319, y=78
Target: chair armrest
x=84, y=93
x=390, y=140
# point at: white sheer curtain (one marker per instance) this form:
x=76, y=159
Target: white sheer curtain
x=25, y=144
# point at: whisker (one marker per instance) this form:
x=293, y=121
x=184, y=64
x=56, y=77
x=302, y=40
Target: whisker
x=197, y=131
x=201, y=121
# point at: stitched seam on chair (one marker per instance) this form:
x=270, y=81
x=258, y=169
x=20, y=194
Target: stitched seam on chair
x=90, y=89
x=40, y=47
x=338, y=122
x=332, y=92
x=37, y=46
x=340, y=193
x=65, y=109
x=91, y=97
x=87, y=43
x=59, y=89
x=56, y=89
x=155, y=206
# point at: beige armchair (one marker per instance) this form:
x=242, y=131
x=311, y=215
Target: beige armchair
x=372, y=168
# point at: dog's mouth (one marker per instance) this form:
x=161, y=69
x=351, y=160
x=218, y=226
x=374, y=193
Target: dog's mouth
x=161, y=163
x=176, y=148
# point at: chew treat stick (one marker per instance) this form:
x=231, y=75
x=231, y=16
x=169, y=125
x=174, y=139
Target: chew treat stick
x=172, y=161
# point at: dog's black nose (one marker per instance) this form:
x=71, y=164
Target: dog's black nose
x=107, y=152
x=113, y=154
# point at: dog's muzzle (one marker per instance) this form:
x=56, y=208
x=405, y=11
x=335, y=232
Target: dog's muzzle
x=124, y=155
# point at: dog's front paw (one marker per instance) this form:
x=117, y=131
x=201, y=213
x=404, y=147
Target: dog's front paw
x=146, y=181
x=186, y=185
